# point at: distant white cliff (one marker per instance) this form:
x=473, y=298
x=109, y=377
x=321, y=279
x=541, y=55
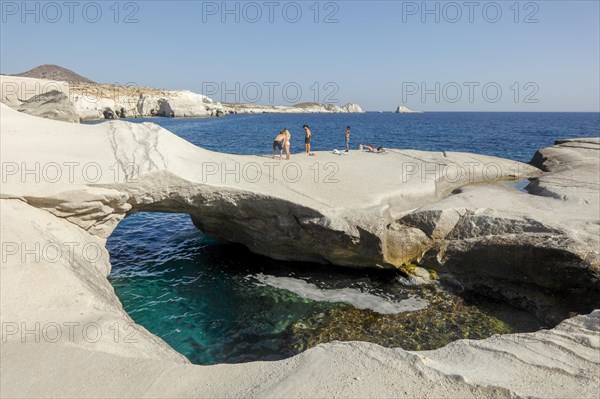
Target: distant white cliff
x=405, y=110
x=317, y=108
x=95, y=101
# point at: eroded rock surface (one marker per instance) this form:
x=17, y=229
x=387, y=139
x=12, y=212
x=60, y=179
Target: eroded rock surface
x=339, y=210
x=67, y=186
x=540, y=249
x=92, y=101
x=51, y=105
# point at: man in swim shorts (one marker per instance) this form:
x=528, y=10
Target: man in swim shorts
x=278, y=144
x=307, y=138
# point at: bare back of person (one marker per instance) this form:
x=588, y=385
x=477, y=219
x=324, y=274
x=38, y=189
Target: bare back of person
x=278, y=144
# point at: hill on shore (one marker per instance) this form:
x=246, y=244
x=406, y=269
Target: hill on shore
x=54, y=72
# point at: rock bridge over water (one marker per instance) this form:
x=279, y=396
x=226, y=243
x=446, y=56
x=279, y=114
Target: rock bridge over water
x=452, y=212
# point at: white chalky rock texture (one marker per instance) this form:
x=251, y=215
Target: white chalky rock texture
x=356, y=217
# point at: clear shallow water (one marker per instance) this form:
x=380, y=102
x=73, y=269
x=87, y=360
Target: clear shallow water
x=219, y=303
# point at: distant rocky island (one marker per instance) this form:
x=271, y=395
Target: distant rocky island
x=54, y=92
x=405, y=110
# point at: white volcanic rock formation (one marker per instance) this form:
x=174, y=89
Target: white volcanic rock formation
x=327, y=216
x=315, y=108
x=450, y=211
x=93, y=101
x=101, y=352
x=405, y=110
x=51, y=105
x=15, y=90
x=429, y=208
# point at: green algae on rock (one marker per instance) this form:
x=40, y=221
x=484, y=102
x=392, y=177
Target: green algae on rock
x=447, y=319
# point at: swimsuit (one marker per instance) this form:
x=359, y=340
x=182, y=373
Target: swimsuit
x=278, y=145
x=307, y=140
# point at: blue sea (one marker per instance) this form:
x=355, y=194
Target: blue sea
x=217, y=303
x=512, y=135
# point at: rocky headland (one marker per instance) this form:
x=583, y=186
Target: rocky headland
x=84, y=101
x=452, y=213
x=101, y=101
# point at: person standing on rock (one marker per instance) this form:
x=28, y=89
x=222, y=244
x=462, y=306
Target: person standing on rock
x=307, y=138
x=287, y=143
x=347, y=139
x=278, y=144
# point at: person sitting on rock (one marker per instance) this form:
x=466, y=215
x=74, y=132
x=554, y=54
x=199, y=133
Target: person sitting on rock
x=278, y=144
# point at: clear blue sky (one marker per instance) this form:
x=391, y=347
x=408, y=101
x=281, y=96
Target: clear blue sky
x=379, y=54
